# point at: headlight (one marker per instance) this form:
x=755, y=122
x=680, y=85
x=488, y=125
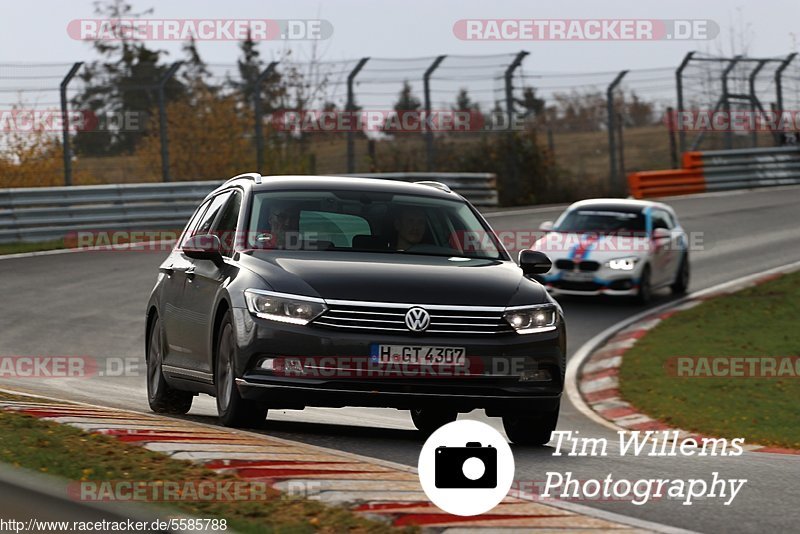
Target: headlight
x=622, y=264
x=294, y=309
x=532, y=319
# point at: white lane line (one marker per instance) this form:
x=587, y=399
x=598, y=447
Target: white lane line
x=577, y=360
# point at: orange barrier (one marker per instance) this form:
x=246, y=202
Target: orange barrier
x=721, y=170
x=692, y=160
x=664, y=183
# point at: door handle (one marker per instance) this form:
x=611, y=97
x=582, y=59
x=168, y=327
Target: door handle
x=168, y=270
x=190, y=274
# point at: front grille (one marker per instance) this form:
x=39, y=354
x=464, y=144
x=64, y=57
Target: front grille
x=369, y=317
x=569, y=265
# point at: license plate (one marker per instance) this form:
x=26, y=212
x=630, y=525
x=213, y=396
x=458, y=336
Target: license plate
x=577, y=276
x=417, y=354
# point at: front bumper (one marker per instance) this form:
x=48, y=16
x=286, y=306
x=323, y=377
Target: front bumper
x=605, y=281
x=491, y=381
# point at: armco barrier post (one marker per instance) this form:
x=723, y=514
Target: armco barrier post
x=162, y=119
x=257, y=112
x=65, y=122
x=426, y=82
x=351, y=107
x=614, y=178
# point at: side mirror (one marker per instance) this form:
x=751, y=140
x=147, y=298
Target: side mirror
x=546, y=226
x=661, y=233
x=534, y=262
x=203, y=247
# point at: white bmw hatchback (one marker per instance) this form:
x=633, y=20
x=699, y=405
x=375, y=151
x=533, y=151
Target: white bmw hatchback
x=615, y=247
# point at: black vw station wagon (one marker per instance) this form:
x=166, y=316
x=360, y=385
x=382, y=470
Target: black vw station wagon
x=294, y=291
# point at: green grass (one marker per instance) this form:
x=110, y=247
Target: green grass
x=70, y=453
x=16, y=248
x=758, y=321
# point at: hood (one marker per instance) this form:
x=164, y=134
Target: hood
x=401, y=278
x=591, y=247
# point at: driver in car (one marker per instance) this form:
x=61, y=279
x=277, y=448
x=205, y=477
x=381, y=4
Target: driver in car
x=284, y=223
x=410, y=225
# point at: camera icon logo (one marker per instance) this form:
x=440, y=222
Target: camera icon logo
x=466, y=467
x=473, y=466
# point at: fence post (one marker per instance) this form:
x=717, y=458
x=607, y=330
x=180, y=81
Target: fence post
x=350, y=107
x=673, y=151
x=621, y=145
x=751, y=81
x=615, y=182
x=779, y=85
x=726, y=102
x=509, y=78
x=426, y=82
x=162, y=119
x=258, y=114
x=679, y=88
x=511, y=179
x=65, y=122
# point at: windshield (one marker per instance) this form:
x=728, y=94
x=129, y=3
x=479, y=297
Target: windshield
x=583, y=221
x=364, y=221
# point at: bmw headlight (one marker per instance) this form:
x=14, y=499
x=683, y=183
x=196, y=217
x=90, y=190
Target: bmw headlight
x=532, y=319
x=294, y=309
x=622, y=264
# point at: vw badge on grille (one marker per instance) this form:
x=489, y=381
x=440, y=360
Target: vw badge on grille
x=417, y=319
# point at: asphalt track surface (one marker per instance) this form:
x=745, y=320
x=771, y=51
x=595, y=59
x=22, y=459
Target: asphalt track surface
x=92, y=303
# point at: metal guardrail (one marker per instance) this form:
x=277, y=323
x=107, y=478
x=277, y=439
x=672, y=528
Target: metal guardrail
x=721, y=170
x=51, y=213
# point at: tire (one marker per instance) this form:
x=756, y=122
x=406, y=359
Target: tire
x=428, y=420
x=233, y=410
x=161, y=396
x=681, y=283
x=534, y=429
x=645, y=292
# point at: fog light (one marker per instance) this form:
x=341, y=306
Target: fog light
x=293, y=366
x=282, y=366
x=535, y=375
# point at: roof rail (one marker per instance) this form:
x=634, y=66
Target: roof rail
x=256, y=177
x=437, y=185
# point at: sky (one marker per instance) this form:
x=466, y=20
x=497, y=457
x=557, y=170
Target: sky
x=34, y=31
